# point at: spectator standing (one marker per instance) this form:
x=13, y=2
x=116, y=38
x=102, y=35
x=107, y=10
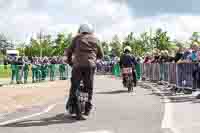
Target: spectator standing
x=26, y=69
x=61, y=69
x=52, y=68
x=19, y=70
x=13, y=62
x=34, y=70
x=179, y=54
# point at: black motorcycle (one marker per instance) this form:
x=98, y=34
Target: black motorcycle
x=77, y=104
x=127, y=74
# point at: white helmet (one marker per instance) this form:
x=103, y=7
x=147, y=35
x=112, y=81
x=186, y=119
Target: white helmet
x=86, y=28
x=128, y=48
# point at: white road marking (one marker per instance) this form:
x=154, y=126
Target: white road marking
x=4, y=114
x=29, y=116
x=102, y=131
x=167, y=121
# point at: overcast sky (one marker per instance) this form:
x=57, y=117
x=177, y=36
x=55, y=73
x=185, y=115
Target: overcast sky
x=22, y=18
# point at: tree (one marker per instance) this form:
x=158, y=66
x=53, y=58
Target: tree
x=161, y=40
x=105, y=47
x=4, y=44
x=35, y=47
x=21, y=48
x=146, y=42
x=195, y=37
x=115, y=46
x=62, y=42
x=128, y=40
x=139, y=45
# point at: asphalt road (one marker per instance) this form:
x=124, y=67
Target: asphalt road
x=115, y=111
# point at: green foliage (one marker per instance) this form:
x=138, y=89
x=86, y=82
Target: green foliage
x=5, y=73
x=195, y=38
x=161, y=40
x=145, y=42
x=46, y=46
x=105, y=47
x=139, y=45
x=61, y=42
x=115, y=46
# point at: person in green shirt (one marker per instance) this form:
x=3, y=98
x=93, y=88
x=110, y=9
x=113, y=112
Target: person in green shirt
x=13, y=69
x=26, y=69
x=19, y=70
x=138, y=69
x=52, y=68
x=34, y=70
x=39, y=70
x=44, y=68
x=62, y=69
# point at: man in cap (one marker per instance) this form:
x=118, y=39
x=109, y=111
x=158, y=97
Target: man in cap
x=86, y=50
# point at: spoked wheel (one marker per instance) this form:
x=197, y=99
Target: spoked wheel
x=187, y=91
x=130, y=89
x=130, y=86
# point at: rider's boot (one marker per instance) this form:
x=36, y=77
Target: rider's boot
x=78, y=112
x=88, y=108
x=80, y=117
x=124, y=82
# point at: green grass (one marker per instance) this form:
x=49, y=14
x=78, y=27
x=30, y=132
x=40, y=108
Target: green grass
x=5, y=71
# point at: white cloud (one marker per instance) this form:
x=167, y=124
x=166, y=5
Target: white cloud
x=20, y=19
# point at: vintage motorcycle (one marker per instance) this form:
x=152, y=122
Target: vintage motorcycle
x=78, y=104
x=127, y=74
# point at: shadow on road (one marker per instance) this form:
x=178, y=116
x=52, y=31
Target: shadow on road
x=180, y=99
x=58, y=119
x=171, y=95
x=196, y=101
x=113, y=92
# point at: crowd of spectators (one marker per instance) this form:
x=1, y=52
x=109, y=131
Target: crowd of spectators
x=40, y=67
x=186, y=55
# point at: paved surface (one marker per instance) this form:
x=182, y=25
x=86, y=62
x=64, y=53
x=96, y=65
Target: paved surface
x=181, y=110
x=116, y=111
x=15, y=97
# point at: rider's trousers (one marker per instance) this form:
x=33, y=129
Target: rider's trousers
x=86, y=74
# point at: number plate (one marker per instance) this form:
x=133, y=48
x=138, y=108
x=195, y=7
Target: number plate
x=127, y=70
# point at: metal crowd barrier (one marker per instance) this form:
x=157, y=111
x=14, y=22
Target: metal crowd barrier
x=184, y=75
x=104, y=68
